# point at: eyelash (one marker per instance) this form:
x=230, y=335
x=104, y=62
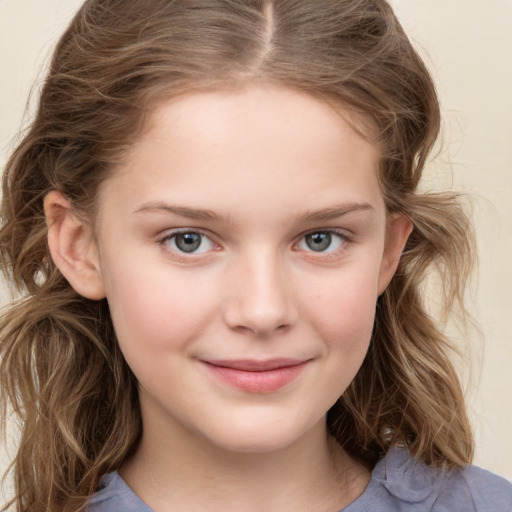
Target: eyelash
x=344, y=240
x=164, y=242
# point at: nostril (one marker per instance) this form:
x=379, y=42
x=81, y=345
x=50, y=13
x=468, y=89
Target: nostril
x=258, y=330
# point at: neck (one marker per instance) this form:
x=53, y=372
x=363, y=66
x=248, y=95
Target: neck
x=184, y=472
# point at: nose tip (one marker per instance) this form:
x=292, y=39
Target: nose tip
x=260, y=302
x=260, y=323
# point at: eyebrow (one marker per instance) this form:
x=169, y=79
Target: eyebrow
x=182, y=211
x=205, y=214
x=336, y=211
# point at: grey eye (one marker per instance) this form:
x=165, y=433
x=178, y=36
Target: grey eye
x=322, y=241
x=188, y=242
x=319, y=241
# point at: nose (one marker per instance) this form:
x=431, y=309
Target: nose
x=259, y=298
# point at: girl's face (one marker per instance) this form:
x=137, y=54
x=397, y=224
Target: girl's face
x=242, y=247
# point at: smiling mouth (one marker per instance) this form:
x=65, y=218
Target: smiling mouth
x=256, y=376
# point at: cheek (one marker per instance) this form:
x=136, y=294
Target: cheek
x=344, y=309
x=343, y=314
x=155, y=308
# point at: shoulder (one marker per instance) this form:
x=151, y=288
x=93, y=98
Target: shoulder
x=402, y=483
x=488, y=491
x=115, y=496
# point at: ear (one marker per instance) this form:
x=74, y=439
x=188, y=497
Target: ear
x=398, y=229
x=72, y=247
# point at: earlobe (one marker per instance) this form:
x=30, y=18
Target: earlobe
x=72, y=247
x=398, y=230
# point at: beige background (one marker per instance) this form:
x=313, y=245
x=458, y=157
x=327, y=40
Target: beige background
x=468, y=46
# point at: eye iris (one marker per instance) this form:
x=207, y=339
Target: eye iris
x=319, y=241
x=188, y=242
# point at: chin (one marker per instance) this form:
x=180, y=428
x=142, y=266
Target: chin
x=268, y=437
x=255, y=446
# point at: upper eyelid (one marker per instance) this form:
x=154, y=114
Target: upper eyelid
x=344, y=233
x=169, y=234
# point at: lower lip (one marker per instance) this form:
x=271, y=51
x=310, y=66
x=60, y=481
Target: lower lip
x=266, y=381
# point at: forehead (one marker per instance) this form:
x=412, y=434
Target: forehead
x=259, y=143
x=260, y=105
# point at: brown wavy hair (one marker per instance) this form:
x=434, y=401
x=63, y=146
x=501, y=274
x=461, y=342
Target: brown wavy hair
x=62, y=372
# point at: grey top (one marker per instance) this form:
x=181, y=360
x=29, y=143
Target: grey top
x=398, y=484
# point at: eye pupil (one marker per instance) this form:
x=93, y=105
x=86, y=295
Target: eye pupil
x=319, y=241
x=188, y=242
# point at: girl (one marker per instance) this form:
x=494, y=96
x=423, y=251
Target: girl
x=214, y=227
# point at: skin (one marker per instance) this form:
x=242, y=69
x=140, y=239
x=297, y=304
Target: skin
x=257, y=175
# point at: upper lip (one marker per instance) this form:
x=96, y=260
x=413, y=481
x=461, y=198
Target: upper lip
x=253, y=365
